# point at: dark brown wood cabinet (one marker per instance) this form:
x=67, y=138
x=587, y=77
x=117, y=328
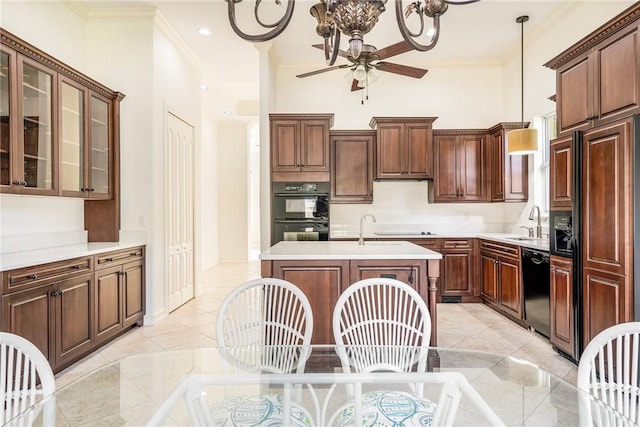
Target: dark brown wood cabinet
x=458, y=270
x=321, y=282
x=598, y=78
x=607, y=218
x=561, y=316
x=500, y=283
x=508, y=175
x=404, y=147
x=561, y=174
x=62, y=137
x=69, y=308
x=119, y=299
x=352, y=166
x=459, y=166
x=411, y=272
x=300, y=147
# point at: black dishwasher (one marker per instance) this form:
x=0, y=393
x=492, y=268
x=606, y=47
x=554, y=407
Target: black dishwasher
x=535, y=282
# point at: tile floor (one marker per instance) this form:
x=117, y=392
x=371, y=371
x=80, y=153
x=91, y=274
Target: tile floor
x=468, y=326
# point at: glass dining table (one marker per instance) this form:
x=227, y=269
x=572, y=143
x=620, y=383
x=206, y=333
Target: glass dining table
x=150, y=389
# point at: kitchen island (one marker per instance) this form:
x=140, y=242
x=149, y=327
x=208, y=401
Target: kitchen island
x=322, y=270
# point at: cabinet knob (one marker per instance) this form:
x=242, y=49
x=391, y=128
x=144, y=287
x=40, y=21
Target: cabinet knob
x=77, y=267
x=16, y=182
x=23, y=183
x=33, y=276
x=92, y=189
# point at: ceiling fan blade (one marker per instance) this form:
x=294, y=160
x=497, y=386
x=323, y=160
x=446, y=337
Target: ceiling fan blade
x=324, y=70
x=405, y=70
x=340, y=52
x=354, y=86
x=393, y=50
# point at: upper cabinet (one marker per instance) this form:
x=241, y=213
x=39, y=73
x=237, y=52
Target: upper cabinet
x=460, y=166
x=300, y=147
x=59, y=134
x=561, y=174
x=352, y=166
x=598, y=78
x=404, y=147
x=507, y=174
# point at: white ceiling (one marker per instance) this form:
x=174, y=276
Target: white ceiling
x=480, y=32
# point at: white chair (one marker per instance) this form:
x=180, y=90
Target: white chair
x=25, y=378
x=608, y=372
x=383, y=324
x=264, y=325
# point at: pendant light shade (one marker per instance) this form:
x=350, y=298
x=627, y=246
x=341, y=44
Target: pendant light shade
x=522, y=141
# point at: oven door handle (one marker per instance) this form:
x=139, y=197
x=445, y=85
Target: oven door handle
x=305, y=221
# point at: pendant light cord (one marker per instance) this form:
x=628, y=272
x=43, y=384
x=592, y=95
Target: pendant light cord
x=521, y=20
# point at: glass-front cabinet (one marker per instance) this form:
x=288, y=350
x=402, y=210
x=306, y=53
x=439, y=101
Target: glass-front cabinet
x=7, y=64
x=101, y=168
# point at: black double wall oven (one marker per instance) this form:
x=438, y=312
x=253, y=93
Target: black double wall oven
x=300, y=211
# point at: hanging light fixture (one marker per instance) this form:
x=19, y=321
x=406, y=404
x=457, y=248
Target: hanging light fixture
x=353, y=18
x=522, y=141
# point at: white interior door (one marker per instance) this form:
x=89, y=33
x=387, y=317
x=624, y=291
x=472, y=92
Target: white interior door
x=180, y=211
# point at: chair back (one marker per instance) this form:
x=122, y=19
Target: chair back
x=25, y=375
x=608, y=372
x=265, y=325
x=381, y=324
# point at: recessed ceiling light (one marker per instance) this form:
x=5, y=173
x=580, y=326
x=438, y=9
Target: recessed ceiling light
x=226, y=112
x=204, y=31
x=204, y=87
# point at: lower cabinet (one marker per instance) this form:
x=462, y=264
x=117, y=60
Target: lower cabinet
x=322, y=281
x=458, y=270
x=500, y=284
x=67, y=309
x=561, y=318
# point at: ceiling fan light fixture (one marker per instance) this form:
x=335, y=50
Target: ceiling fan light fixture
x=372, y=75
x=360, y=73
x=355, y=45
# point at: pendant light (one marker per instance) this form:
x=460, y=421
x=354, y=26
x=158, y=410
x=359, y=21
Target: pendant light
x=522, y=141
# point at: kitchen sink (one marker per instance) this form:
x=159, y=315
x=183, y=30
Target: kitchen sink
x=527, y=239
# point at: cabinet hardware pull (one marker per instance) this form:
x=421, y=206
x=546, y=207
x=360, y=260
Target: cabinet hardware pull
x=77, y=267
x=133, y=254
x=33, y=276
x=411, y=278
x=53, y=293
x=92, y=190
x=16, y=182
x=109, y=259
x=23, y=183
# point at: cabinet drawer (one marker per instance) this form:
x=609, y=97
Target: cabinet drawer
x=119, y=257
x=28, y=277
x=500, y=248
x=457, y=244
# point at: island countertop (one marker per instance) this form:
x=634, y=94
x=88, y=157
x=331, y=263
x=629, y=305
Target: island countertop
x=347, y=250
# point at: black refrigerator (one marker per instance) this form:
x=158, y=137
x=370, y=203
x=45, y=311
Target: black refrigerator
x=602, y=229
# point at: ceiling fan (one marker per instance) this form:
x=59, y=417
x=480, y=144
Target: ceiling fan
x=371, y=59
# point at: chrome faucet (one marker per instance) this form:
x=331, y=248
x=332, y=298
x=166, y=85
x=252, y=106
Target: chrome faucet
x=529, y=230
x=362, y=218
x=535, y=210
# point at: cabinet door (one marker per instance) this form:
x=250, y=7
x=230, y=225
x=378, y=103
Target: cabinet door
x=73, y=142
x=284, y=145
x=606, y=301
x=561, y=174
x=617, y=93
x=99, y=155
x=496, y=162
x=108, y=316
x=321, y=282
x=419, y=151
x=352, y=164
x=516, y=178
x=133, y=305
x=314, y=146
x=471, y=159
x=8, y=118
x=391, y=151
x=488, y=277
x=445, y=183
x=574, y=86
x=607, y=197
x=36, y=160
x=29, y=314
x=561, y=317
x=509, y=288
x=457, y=273
x=73, y=318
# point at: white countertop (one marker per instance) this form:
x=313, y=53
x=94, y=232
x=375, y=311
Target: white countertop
x=510, y=238
x=291, y=250
x=11, y=260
